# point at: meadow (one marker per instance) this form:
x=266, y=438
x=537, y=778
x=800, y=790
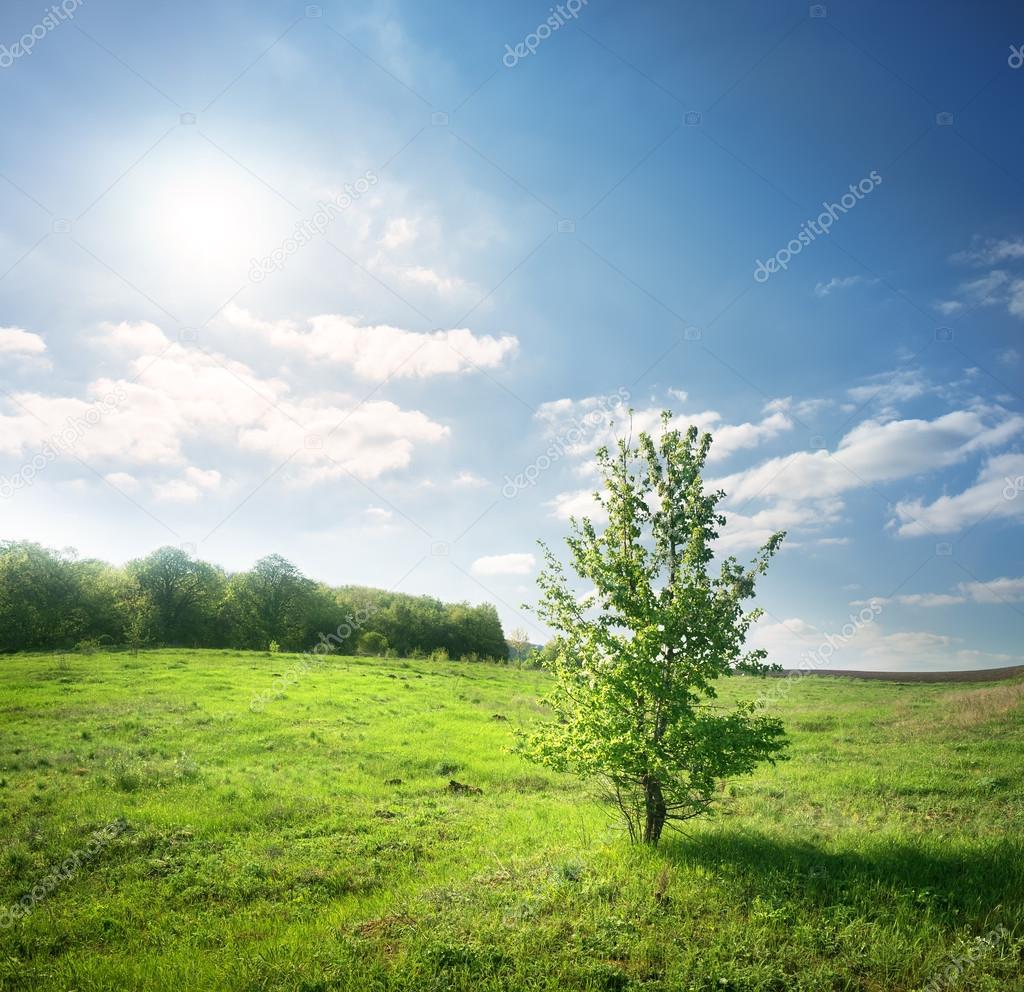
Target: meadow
x=318, y=843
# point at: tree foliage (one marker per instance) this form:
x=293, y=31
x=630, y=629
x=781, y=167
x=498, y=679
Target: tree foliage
x=181, y=594
x=635, y=664
x=54, y=600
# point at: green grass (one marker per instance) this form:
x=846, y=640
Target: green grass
x=265, y=851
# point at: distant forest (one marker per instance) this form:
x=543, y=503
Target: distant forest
x=54, y=600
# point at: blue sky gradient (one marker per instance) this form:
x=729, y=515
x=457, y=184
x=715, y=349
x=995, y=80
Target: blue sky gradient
x=535, y=236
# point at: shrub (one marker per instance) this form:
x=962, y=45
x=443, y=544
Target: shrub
x=372, y=643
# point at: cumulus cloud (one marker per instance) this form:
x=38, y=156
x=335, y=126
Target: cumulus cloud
x=400, y=231
x=874, y=452
x=188, y=489
x=509, y=564
x=174, y=396
x=994, y=495
x=423, y=275
x=139, y=337
x=745, y=532
x=17, y=341
x=123, y=481
x=803, y=492
x=577, y=503
x=605, y=419
x=203, y=478
x=467, y=480
x=381, y=351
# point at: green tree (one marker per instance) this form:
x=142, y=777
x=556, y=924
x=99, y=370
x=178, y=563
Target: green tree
x=39, y=597
x=183, y=595
x=270, y=603
x=636, y=664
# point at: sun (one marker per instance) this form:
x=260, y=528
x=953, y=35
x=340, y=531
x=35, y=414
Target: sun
x=202, y=217
x=211, y=222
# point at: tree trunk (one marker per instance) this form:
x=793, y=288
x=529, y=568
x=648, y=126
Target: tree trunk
x=655, y=804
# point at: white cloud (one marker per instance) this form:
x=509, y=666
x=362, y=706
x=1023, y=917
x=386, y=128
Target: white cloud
x=378, y=514
x=794, y=641
x=560, y=416
x=889, y=388
x=997, y=288
x=381, y=351
x=925, y=599
x=1009, y=358
x=577, y=503
x=140, y=337
x=188, y=489
x=987, y=290
x=204, y=479
x=422, y=275
x=823, y=289
x=179, y=397
x=994, y=495
x=122, y=480
x=1004, y=590
x=467, y=480
x=948, y=307
x=1015, y=304
x=806, y=409
x=991, y=251
x=399, y=232
x=176, y=491
x=748, y=531
x=510, y=564
x=874, y=452
x=16, y=341
x=365, y=441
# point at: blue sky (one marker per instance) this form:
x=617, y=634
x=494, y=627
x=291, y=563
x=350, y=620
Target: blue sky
x=494, y=247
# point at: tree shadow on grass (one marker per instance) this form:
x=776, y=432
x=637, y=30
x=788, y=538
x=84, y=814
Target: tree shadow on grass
x=975, y=883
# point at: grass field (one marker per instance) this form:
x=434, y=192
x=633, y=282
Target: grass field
x=279, y=850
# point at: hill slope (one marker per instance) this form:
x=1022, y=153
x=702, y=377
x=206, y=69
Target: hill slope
x=276, y=849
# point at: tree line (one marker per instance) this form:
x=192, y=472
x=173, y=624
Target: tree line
x=54, y=600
